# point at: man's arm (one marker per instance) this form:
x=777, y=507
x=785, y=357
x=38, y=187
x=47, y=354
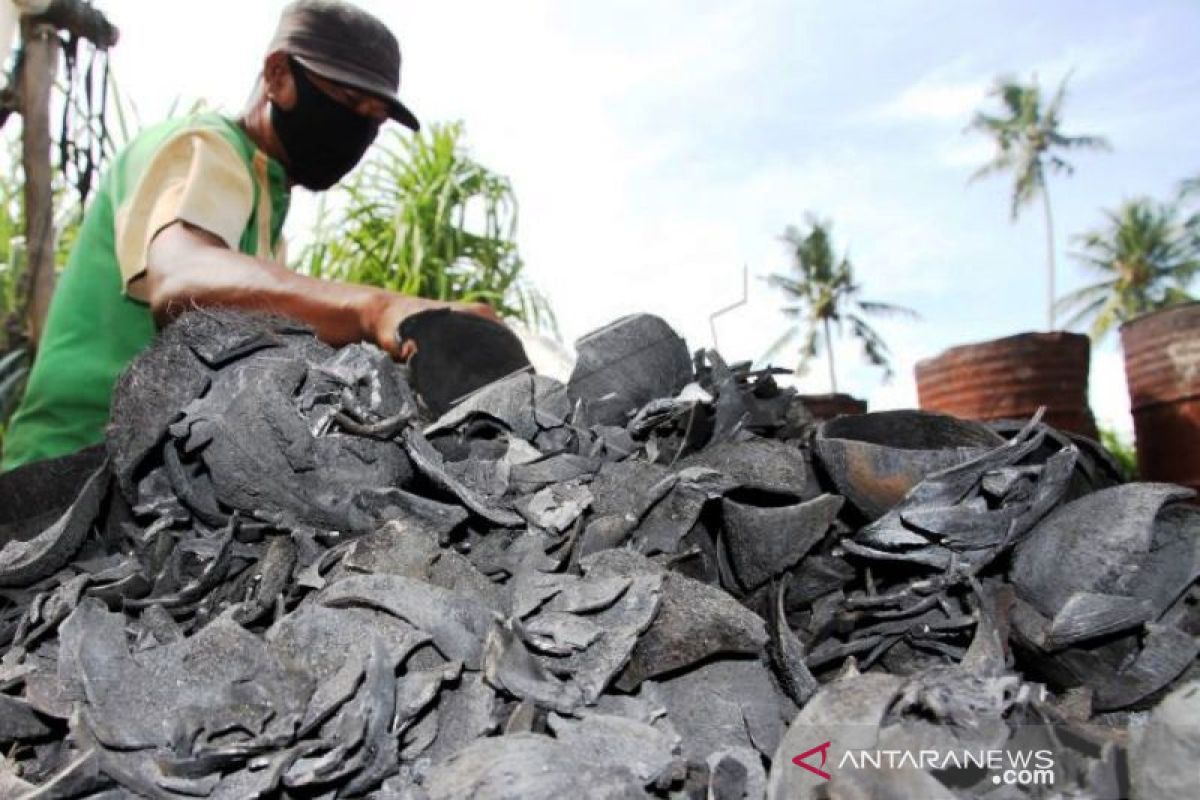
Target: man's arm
x=187, y=266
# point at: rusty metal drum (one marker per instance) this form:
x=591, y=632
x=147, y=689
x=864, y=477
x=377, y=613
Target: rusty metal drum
x=1162, y=366
x=1011, y=378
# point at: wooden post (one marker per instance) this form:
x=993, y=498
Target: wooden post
x=41, y=52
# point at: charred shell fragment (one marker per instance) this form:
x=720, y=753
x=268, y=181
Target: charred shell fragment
x=875, y=459
x=1102, y=587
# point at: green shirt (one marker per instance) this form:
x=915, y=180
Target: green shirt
x=202, y=169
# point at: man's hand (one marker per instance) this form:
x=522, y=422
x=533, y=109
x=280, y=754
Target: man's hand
x=394, y=308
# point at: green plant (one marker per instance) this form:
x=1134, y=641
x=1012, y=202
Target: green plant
x=1028, y=141
x=1186, y=195
x=68, y=216
x=1147, y=256
x=824, y=295
x=13, y=355
x=423, y=218
x=12, y=237
x=1122, y=452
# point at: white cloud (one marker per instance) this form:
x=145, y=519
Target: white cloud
x=966, y=153
x=931, y=100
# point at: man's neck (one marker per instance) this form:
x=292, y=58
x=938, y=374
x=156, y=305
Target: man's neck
x=256, y=122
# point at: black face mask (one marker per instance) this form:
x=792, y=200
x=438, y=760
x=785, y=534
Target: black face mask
x=323, y=139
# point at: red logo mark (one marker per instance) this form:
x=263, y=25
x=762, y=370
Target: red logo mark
x=823, y=749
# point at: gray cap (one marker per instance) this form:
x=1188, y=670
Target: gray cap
x=347, y=45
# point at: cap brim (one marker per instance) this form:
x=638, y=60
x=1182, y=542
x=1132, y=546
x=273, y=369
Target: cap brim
x=338, y=73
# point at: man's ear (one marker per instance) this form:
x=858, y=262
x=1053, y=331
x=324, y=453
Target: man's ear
x=277, y=76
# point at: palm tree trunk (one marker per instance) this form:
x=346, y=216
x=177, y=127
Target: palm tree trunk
x=829, y=355
x=1050, y=263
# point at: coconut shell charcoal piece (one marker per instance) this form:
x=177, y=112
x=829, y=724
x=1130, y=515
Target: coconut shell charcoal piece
x=875, y=459
x=458, y=354
x=405, y=548
x=486, y=478
x=588, y=628
x=150, y=393
x=137, y=700
x=726, y=703
x=457, y=622
x=950, y=708
x=432, y=465
x=694, y=623
x=657, y=581
x=509, y=666
x=530, y=476
x=731, y=411
x=663, y=528
x=787, y=652
x=23, y=563
x=736, y=772
x=764, y=542
x=19, y=722
x=1097, y=468
x=757, y=465
x=652, y=754
x=321, y=639
x=743, y=398
x=1112, y=613
x=623, y=366
x=374, y=508
x=466, y=712
x=524, y=404
x=33, y=496
x=1130, y=546
x=527, y=765
x=532, y=589
x=629, y=488
x=556, y=507
x=558, y=633
x=366, y=750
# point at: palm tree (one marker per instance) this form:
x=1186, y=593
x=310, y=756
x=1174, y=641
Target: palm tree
x=1147, y=257
x=1027, y=137
x=824, y=294
x=1189, y=190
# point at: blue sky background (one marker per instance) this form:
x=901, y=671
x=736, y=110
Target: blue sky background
x=656, y=147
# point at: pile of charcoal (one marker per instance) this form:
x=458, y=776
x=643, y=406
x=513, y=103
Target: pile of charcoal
x=283, y=576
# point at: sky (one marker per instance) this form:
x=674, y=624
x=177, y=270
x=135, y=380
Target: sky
x=659, y=149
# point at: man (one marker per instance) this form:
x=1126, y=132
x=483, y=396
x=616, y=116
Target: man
x=191, y=212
